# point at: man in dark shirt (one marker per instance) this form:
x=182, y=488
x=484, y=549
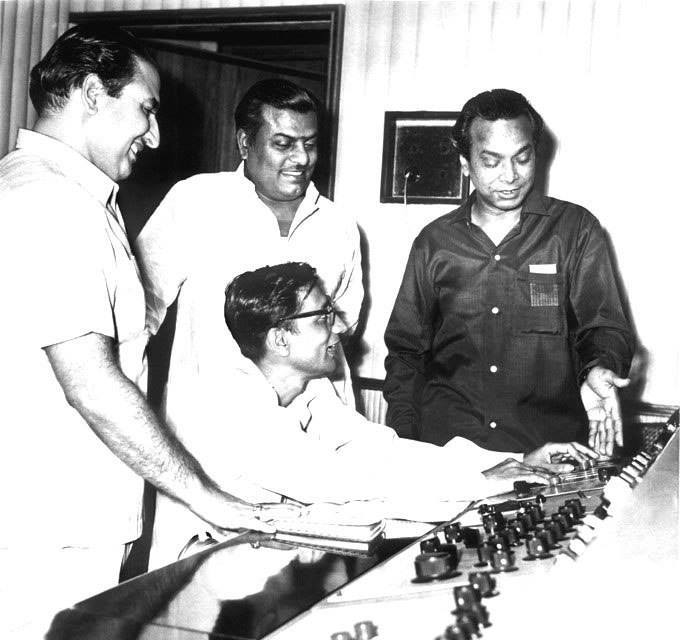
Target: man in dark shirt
x=509, y=327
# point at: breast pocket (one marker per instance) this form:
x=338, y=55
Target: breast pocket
x=539, y=306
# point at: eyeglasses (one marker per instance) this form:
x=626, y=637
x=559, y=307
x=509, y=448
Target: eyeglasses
x=328, y=310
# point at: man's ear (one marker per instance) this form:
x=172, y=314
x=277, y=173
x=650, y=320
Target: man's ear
x=465, y=166
x=243, y=143
x=277, y=341
x=92, y=92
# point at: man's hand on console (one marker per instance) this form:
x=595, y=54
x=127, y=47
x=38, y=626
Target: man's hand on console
x=227, y=513
x=513, y=470
x=553, y=456
x=601, y=402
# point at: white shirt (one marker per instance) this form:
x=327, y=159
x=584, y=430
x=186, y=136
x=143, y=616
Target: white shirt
x=316, y=450
x=209, y=229
x=66, y=270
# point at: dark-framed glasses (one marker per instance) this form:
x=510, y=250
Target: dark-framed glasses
x=328, y=311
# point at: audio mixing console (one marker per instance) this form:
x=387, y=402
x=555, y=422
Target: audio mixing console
x=592, y=554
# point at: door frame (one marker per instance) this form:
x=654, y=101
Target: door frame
x=166, y=23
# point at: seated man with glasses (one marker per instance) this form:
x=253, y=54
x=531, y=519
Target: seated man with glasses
x=285, y=436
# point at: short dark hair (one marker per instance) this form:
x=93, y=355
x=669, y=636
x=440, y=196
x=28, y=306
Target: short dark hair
x=277, y=93
x=108, y=52
x=257, y=301
x=497, y=104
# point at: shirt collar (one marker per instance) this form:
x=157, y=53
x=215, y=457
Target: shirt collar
x=68, y=162
x=533, y=204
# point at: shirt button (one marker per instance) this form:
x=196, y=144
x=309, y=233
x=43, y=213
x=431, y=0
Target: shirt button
x=493, y=368
x=492, y=424
x=495, y=310
x=496, y=257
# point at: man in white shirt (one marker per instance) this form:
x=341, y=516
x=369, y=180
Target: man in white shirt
x=284, y=435
x=77, y=432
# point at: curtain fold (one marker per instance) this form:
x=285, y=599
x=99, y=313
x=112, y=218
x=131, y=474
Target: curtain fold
x=27, y=30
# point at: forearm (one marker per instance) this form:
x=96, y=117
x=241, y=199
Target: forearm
x=119, y=415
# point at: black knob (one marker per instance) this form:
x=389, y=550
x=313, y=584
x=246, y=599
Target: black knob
x=575, y=502
x=510, y=536
x=536, y=548
x=561, y=519
x=502, y=561
x=483, y=582
x=465, y=596
x=567, y=513
x=527, y=521
x=489, y=523
x=468, y=623
x=518, y=527
x=477, y=613
x=498, y=542
x=431, y=545
x=471, y=537
x=548, y=538
x=365, y=630
x=432, y=566
x=452, y=532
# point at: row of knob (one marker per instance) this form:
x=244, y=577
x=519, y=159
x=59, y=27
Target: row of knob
x=540, y=535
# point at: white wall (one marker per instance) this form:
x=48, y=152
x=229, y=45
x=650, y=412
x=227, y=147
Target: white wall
x=601, y=72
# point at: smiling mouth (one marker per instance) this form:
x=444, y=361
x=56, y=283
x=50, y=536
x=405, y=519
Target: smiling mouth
x=331, y=347
x=297, y=175
x=135, y=150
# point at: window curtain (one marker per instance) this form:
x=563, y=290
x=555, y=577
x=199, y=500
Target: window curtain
x=27, y=30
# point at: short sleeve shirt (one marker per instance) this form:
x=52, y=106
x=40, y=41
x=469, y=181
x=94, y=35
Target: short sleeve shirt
x=66, y=271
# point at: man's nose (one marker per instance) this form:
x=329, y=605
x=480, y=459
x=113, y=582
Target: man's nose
x=509, y=173
x=152, y=138
x=300, y=155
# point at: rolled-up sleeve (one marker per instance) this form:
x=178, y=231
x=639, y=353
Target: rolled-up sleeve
x=162, y=249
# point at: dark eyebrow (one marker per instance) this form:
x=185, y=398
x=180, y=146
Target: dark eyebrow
x=493, y=154
x=287, y=137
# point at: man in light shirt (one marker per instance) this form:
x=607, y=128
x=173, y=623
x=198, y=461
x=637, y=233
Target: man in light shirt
x=294, y=440
x=78, y=434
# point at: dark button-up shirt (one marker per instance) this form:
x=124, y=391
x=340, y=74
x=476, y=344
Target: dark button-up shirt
x=489, y=341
